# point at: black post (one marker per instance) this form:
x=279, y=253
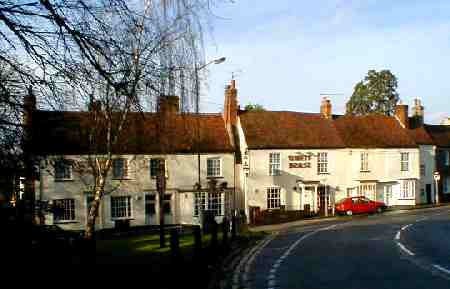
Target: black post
x=198, y=250
x=225, y=230
x=233, y=227
x=214, y=241
x=175, y=245
x=161, y=186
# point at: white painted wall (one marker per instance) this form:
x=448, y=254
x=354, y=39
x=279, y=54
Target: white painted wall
x=182, y=175
x=343, y=173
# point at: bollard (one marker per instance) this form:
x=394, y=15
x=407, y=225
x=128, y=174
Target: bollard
x=233, y=227
x=175, y=245
x=225, y=234
x=214, y=232
x=198, y=244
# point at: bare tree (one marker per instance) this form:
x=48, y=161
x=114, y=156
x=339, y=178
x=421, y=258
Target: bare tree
x=114, y=57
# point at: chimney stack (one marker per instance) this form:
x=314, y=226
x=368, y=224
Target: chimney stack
x=401, y=113
x=417, y=114
x=231, y=107
x=29, y=105
x=169, y=104
x=325, y=108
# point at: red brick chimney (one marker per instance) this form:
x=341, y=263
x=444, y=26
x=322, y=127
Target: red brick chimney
x=325, y=108
x=401, y=113
x=169, y=104
x=29, y=105
x=231, y=107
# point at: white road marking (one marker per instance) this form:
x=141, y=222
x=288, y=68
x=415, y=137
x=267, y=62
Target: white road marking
x=441, y=268
x=397, y=236
x=272, y=277
x=405, y=249
x=405, y=227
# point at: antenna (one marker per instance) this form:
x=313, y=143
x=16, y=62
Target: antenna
x=236, y=73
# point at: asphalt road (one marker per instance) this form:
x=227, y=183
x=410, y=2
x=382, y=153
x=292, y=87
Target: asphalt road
x=396, y=250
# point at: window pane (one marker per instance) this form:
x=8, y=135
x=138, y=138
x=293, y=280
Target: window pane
x=118, y=168
x=154, y=167
x=274, y=164
x=64, y=210
x=273, y=198
x=213, y=167
x=121, y=207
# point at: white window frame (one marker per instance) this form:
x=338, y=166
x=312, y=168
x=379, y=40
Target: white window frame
x=274, y=164
x=67, y=167
x=407, y=190
x=404, y=162
x=364, y=162
x=150, y=168
x=212, y=171
x=68, y=213
x=125, y=169
x=205, y=201
x=273, y=198
x=128, y=207
x=367, y=190
x=322, y=163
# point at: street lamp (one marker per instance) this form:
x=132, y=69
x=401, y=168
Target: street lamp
x=437, y=177
x=197, y=105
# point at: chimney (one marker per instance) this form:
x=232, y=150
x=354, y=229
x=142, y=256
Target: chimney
x=169, y=104
x=401, y=113
x=231, y=107
x=325, y=108
x=29, y=106
x=417, y=113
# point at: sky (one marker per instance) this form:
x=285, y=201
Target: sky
x=284, y=54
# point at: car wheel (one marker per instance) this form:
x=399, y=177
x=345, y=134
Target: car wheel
x=349, y=213
x=379, y=210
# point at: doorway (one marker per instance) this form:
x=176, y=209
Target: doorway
x=150, y=209
x=428, y=192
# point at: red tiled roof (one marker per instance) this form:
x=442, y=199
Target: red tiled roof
x=420, y=136
x=286, y=129
x=440, y=134
x=66, y=133
x=373, y=131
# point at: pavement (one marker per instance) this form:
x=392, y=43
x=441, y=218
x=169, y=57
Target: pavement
x=319, y=220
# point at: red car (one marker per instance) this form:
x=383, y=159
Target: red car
x=358, y=205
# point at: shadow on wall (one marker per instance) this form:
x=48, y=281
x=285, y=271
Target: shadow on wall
x=290, y=201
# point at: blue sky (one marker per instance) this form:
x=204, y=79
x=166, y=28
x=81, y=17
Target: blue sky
x=286, y=53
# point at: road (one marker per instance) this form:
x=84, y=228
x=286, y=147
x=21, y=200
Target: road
x=409, y=249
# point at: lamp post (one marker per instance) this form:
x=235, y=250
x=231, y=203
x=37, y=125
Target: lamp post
x=197, y=105
x=437, y=177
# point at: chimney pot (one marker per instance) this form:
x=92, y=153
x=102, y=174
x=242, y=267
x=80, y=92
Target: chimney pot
x=326, y=108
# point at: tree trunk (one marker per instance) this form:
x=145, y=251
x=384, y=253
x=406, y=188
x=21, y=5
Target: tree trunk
x=93, y=211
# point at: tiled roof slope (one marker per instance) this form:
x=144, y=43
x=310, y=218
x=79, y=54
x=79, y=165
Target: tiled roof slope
x=440, y=134
x=420, y=136
x=66, y=133
x=288, y=130
x=373, y=131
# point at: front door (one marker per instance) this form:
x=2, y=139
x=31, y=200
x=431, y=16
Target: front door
x=428, y=191
x=150, y=210
x=321, y=199
x=307, y=199
x=388, y=195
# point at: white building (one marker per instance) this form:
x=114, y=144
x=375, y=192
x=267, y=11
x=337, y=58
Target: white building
x=307, y=161
x=199, y=150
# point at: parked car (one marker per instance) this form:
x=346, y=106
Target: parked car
x=359, y=205
x=53, y=236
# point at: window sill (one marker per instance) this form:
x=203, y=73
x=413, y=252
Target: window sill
x=63, y=180
x=214, y=177
x=324, y=173
x=365, y=171
x=62, y=222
